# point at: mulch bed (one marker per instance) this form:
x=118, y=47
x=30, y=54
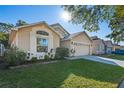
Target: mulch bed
x=31, y=64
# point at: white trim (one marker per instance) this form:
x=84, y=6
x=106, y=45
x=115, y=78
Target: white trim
x=33, y=43
x=42, y=37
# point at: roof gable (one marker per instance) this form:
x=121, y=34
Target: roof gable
x=33, y=24
x=76, y=34
x=58, y=28
x=98, y=41
x=108, y=43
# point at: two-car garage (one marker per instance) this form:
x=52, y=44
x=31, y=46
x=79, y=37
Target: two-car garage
x=82, y=50
x=80, y=42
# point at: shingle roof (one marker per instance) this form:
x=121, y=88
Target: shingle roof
x=75, y=34
x=72, y=35
x=41, y=22
x=94, y=37
x=60, y=26
x=107, y=42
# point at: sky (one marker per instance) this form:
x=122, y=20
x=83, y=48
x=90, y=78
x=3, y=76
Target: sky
x=51, y=14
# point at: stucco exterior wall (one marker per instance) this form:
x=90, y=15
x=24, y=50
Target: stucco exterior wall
x=96, y=44
x=12, y=38
x=53, y=38
x=82, y=38
x=86, y=48
x=66, y=44
x=80, y=43
x=23, y=39
x=56, y=40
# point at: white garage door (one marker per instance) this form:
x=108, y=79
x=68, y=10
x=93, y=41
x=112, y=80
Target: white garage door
x=82, y=50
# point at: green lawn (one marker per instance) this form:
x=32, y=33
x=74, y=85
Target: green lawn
x=78, y=73
x=114, y=56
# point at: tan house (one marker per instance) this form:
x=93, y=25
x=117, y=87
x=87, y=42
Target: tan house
x=122, y=47
x=115, y=46
x=38, y=39
x=98, y=46
x=78, y=42
x=108, y=46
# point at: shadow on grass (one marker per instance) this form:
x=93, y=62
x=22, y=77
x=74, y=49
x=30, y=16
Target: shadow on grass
x=55, y=75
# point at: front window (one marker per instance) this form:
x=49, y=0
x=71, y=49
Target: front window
x=42, y=45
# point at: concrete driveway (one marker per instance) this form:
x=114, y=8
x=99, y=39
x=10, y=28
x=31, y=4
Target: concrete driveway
x=101, y=60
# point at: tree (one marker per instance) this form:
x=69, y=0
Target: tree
x=4, y=33
x=21, y=23
x=5, y=27
x=4, y=38
x=117, y=25
x=90, y=17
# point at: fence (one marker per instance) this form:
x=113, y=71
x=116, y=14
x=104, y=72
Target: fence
x=2, y=49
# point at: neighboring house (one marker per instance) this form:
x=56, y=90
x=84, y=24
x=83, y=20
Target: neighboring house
x=115, y=47
x=98, y=45
x=108, y=47
x=39, y=39
x=122, y=47
x=79, y=43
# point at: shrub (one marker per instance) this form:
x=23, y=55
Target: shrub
x=13, y=56
x=51, y=56
x=61, y=53
x=46, y=57
x=34, y=59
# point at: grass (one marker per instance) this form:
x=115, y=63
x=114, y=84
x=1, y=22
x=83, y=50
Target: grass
x=114, y=56
x=75, y=73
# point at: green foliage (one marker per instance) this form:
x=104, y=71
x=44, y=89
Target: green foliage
x=13, y=56
x=5, y=27
x=61, y=53
x=51, y=56
x=4, y=37
x=114, y=56
x=21, y=23
x=46, y=58
x=34, y=59
x=90, y=17
x=117, y=25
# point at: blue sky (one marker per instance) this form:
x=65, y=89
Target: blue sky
x=51, y=14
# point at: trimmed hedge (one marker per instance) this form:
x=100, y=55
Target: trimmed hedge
x=13, y=56
x=61, y=53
